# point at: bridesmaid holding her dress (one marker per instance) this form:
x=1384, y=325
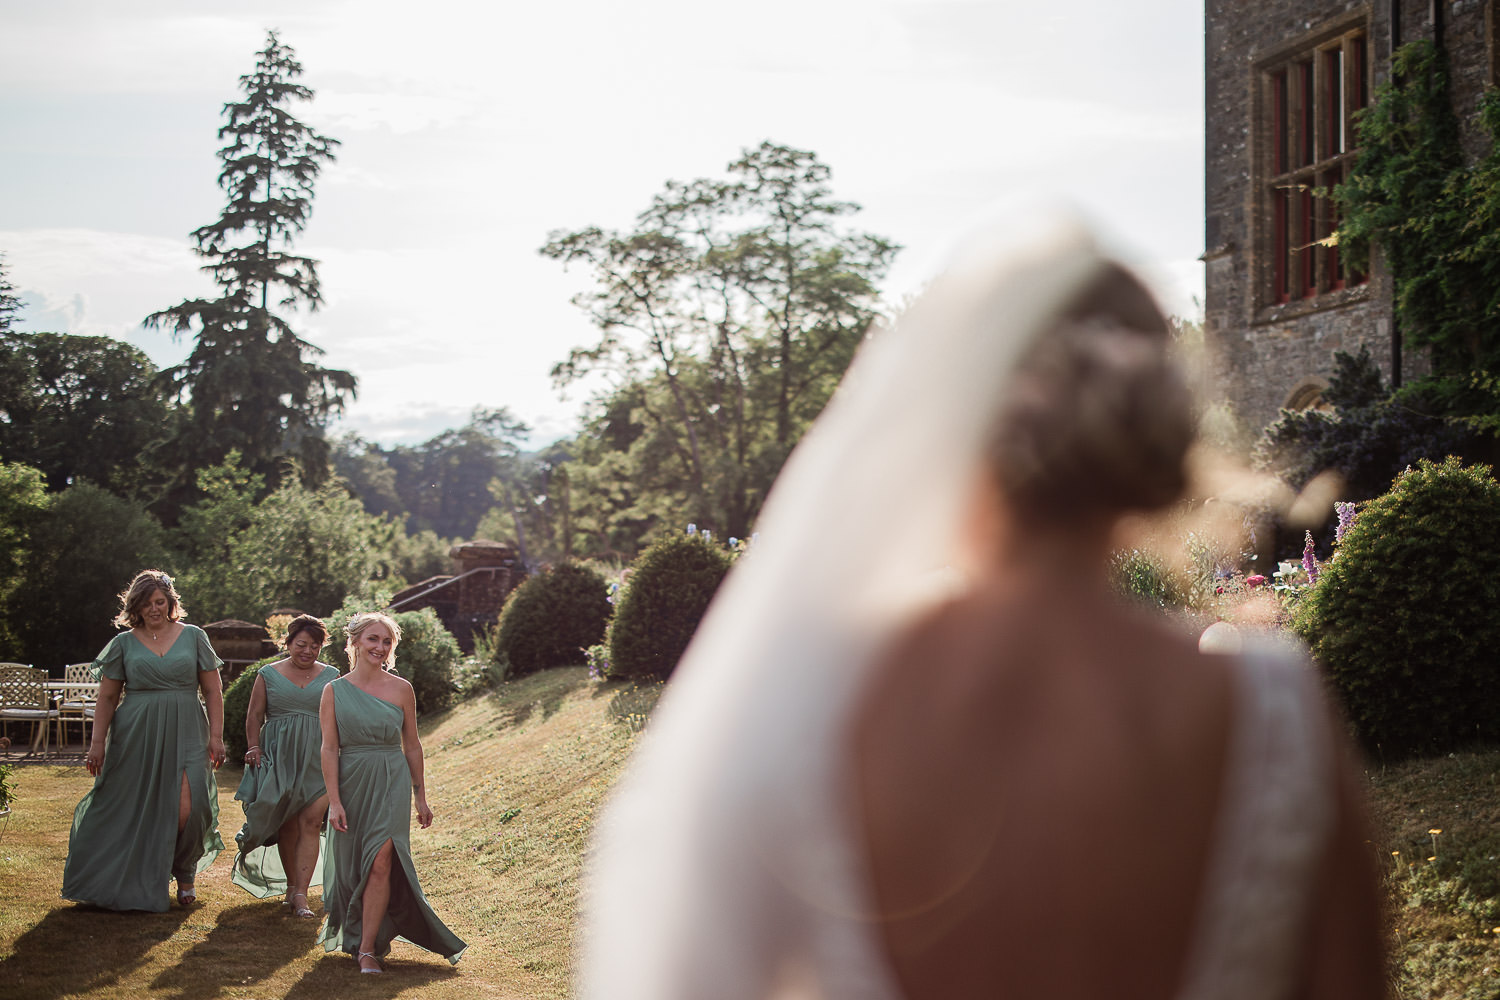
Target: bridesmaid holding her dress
x=372, y=765
x=152, y=814
x=282, y=791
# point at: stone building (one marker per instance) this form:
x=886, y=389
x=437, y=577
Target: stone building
x=1283, y=80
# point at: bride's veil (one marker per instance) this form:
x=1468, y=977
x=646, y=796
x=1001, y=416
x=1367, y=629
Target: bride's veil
x=722, y=866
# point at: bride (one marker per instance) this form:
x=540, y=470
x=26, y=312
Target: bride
x=917, y=749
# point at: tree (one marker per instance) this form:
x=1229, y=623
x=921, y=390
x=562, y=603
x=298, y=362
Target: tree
x=311, y=549
x=22, y=501
x=207, y=531
x=442, y=485
x=737, y=304
x=248, y=381
x=82, y=551
x=296, y=547
x=80, y=408
x=9, y=304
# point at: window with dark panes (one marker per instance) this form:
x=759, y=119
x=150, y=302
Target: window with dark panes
x=1310, y=100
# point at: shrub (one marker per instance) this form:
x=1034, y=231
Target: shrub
x=551, y=618
x=7, y=785
x=1373, y=433
x=237, y=706
x=1145, y=577
x=665, y=597
x=1403, y=617
x=427, y=655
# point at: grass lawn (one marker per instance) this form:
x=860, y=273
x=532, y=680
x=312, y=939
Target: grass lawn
x=515, y=777
x=1443, y=888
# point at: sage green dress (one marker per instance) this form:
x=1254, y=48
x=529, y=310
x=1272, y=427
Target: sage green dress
x=125, y=846
x=289, y=778
x=375, y=788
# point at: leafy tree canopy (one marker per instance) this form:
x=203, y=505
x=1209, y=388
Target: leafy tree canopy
x=727, y=316
x=81, y=552
x=80, y=408
x=441, y=485
x=294, y=547
x=23, y=500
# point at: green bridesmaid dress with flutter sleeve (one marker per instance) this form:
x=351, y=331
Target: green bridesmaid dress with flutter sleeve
x=125, y=847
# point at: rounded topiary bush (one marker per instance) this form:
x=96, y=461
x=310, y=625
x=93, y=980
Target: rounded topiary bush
x=665, y=597
x=427, y=654
x=1403, y=618
x=551, y=618
x=237, y=706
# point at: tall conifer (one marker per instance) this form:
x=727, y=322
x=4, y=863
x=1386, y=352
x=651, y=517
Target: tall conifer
x=251, y=383
x=9, y=304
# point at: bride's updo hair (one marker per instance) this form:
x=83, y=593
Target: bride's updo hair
x=1098, y=419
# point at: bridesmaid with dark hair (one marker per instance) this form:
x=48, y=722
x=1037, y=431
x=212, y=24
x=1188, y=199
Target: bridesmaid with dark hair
x=372, y=765
x=153, y=812
x=282, y=791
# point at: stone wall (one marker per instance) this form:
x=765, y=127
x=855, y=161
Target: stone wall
x=1259, y=354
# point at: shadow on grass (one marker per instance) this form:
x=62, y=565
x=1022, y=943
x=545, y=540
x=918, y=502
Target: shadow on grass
x=336, y=975
x=79, y=949
x=516, y=701
x=247, y=945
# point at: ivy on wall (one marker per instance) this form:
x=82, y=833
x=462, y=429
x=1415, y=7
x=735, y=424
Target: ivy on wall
x=1436, y=219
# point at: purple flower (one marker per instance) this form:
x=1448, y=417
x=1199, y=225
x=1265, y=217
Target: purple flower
x=1346, y=519
x=1309, y=559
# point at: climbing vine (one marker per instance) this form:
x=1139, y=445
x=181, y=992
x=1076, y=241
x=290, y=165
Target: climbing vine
x=1436, y=219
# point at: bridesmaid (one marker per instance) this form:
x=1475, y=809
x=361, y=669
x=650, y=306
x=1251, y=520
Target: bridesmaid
x=372, y=765
x=282, y=790
x=154, y=809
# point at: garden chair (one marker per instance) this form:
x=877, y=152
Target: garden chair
x=76, y=704
x=23, y=698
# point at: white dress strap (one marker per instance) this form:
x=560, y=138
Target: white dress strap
x=1275, y=819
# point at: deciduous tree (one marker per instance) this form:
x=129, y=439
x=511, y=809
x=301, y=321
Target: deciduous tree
x=727, y=317
x=80, y=408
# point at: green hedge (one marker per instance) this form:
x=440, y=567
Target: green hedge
x=1404, y=617
x=551, y=618
x=668, y=590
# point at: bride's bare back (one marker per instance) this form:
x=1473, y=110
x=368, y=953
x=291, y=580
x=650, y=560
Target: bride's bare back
x=1039, y=774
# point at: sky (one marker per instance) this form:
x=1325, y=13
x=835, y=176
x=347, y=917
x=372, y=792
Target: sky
x=470, y=130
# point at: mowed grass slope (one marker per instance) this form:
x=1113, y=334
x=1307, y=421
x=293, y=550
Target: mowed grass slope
x=514, y=779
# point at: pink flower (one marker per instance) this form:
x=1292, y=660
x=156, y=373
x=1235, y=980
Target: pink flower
x=1255, y=581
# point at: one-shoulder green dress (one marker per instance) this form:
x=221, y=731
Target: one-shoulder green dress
x=375, y=788
x=125, y=846
x=289, y=778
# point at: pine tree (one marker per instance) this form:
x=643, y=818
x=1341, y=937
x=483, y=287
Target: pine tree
x=250, y=383
x=9, y=304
